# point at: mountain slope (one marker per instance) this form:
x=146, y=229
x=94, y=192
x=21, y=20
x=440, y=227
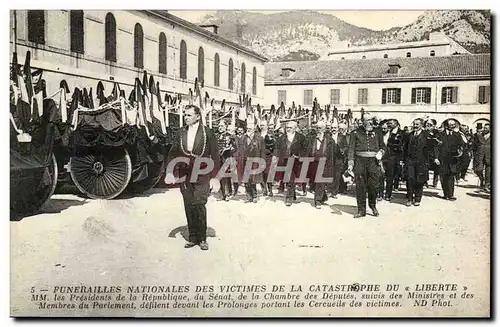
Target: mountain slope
x=307, y=35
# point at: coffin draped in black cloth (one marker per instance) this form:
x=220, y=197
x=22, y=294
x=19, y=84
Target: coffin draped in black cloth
x=100, y=127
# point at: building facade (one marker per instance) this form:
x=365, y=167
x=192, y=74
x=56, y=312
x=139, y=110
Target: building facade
x=437, y=45
x=401, y=88
x=84, y=47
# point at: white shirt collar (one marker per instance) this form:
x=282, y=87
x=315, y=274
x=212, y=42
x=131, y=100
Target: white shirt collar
x=290, y=136
x=194, y=126
x=395, y=130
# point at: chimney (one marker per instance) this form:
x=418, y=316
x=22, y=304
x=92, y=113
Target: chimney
x=286, y=72
x=212, y=28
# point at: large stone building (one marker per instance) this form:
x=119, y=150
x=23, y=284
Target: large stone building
x=437, y=45
x=404, y=88
x=84, y=47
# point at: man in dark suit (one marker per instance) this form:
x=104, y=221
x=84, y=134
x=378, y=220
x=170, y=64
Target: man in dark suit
x=366, y=149
x=196, y=145
x=416, y=162
x=482, y=155
x=393, y=156
x=322, y=147
x=290, y=147
x=449, y=151
x=340, y=146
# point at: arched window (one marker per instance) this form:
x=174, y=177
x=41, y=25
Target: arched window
x=408, y=55
x=138, y=46
x=110, y=37
x=162, y=54
x=230, y=75
x=217, y=70
x=77, y=31
x=183, y=57
x=243, y=77
x=254, y=81
x=433, y=53
x=386, y=55
x=201, y=65
x=36, y=26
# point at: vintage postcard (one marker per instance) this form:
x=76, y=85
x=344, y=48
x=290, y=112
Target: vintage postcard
x=293, y=163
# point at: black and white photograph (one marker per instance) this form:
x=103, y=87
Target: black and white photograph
x=246, y=163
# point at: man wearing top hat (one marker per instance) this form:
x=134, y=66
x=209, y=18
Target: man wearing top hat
x=339, y=155
x=393, y=157
x=253, y=148
x=366, y=149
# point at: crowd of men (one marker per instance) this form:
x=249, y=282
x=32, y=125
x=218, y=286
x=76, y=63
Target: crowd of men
x=377, y=155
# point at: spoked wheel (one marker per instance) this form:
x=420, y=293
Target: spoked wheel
x=101, y=175
x=155, y=171
x=31, y=189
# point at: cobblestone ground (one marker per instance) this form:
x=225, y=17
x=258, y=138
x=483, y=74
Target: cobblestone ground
x=139, y=241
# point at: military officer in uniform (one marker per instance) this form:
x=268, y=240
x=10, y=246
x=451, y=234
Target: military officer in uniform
x=366, y=149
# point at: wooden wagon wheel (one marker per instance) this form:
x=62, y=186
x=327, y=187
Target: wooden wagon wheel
x=155, y=173
x=101, y=175
x=36, y=190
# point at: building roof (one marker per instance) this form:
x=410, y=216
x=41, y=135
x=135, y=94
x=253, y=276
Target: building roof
x=163, y=14
x=366, y=70
x=389, y=46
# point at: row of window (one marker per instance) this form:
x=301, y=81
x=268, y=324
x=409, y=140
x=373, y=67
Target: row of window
x=432, y=53
x=419, y=95
x=36, y=33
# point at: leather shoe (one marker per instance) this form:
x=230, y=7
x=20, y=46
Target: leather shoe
x=254, y=200
x=416, y=204
x=271, y=194
x=288, y=203
x=375, y=211
x=189, y=245
x=204, y=245
x=359, y=214
x=386, y=198
x=452, y=198
x=408, y=204
x=317, y=205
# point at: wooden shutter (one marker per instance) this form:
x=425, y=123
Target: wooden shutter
x=384, y=96
x=428, y=92
x=454, y=94
x=481, y=94
x=413, y=96
x=398, y=96
x=487, y=94
x=443, y=95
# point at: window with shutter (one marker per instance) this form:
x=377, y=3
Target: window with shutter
x=428, y=92
x=243, y=78
x=282, y=96
x=254, y=81
x=201, y=65
x=138, y=46
x=384, y=96
x=484, y=94
x=454, y=94
x=162, y=54
x=420, y=95
x=77, y=31
x=36, y=26
x=217, y=70
x=363, y=96
x=183, y=60
x=391, y=96
x=308, y=97
x=398, y=96
x=230, y=75
x=110, y=37
x=335, y=96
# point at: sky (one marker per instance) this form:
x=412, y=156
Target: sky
x=375, y=20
